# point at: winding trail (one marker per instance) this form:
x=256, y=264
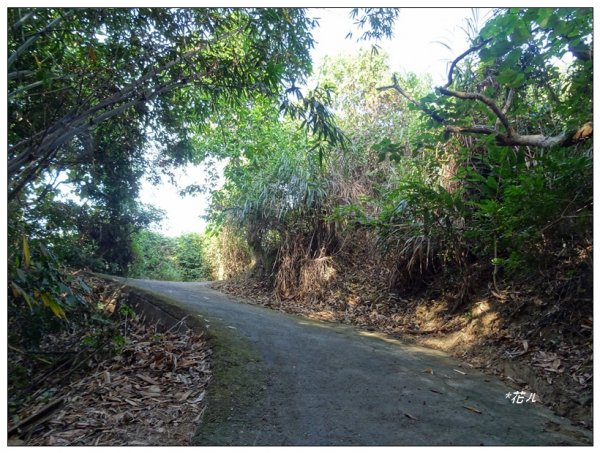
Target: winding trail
x=330, y=384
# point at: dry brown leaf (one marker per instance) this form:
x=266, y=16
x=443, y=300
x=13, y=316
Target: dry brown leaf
x=428, y=370
x=199, y=398
x=153, y=389
x=186, y=363
x=15, y=441
x=556, y=364
x=147, y=379
x=472, y=409
x=182, y=396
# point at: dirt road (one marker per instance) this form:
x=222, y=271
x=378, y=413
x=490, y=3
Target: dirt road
x=285, y=380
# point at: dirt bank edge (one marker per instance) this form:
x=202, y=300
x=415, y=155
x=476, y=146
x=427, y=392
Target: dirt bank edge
x=238, y=385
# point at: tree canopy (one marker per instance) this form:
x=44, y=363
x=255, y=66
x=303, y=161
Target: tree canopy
x=492, y=168
x=71, y=70
x=513, y=58
x=91, y=92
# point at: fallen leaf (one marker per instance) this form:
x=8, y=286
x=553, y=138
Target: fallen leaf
x=15, y=441
x=472, y=409
x=199, y=397
x=183, y=395
x=147, y=379
x=186, y=363
x=428, y=370
x=556, y=364
x=154, y=389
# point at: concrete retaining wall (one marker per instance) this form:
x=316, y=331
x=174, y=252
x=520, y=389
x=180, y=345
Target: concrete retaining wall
x=157, y=312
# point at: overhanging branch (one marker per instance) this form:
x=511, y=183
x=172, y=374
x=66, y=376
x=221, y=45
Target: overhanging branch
x=395, y=86
x=510, y=137
x=563, y=140
x=483, y=99
x=460, y=57
x=476, y=129
x=17, y=53
x=36, y=151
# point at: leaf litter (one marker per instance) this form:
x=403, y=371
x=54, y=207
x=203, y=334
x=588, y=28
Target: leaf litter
x=150, y=391
x=536, y=336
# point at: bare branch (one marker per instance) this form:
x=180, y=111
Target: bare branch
x=460, y=57
x=511, y=137
x=19, y=74
x=507, y=104
x=476, y=129
x=412, y=100
x=22, y=20
x=485, y=100
x=563, y=140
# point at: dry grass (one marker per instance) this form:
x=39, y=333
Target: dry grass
x=229, y=255
x=412, y=262
x=298, y=275
x=316, y=275
x=286, y=278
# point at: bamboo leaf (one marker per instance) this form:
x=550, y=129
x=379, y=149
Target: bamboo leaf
x=20, y=291
x=53, y=305
x=26, y=255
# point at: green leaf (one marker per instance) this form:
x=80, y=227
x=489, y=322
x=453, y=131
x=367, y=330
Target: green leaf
x=500, y=48
x=543, y=16
x=119, y=340
x=491, y=183
x=517, y=81
x=521, y=34
x=489, y=30
x=512, y=58
x=511, y=78
x=21, y=275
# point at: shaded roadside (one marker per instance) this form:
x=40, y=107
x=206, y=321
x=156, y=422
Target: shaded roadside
x=301, y=382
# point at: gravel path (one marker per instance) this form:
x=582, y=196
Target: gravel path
x=317, y=383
